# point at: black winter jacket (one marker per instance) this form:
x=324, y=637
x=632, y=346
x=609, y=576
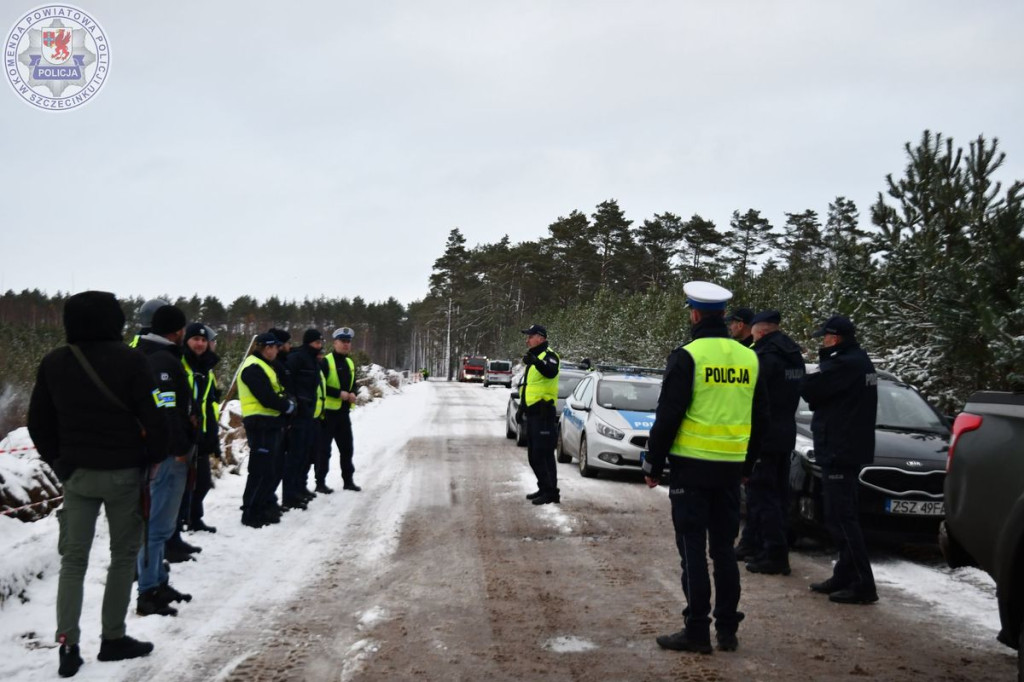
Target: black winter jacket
x=305, y=373
x=549, y=368
x=202, y=373
x=165, y=361
x=72, y=423
x=676, y=392
x=844, y=398
x=782, y=370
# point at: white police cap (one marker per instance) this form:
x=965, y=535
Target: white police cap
x=706, y=295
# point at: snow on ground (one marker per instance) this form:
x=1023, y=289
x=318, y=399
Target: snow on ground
x=240, y=572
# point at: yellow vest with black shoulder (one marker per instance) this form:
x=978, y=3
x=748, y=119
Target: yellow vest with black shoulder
x=334, y=381
x=717, y=422
x=251, y=407
x=538, y=386
x=199, y=401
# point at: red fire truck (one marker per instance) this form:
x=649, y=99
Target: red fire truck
x=472, y=368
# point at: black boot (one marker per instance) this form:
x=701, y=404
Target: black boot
x=352, y=486
x=770, y=564
x=149, y=603
x=535, y=495
x=678, y=641
x=323, y=489
x=198, y=524
x=828, y=586
x=167, y=594
x=176, y=555
x=123, y=648
x=70, y=660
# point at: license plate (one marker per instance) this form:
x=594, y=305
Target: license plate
x=915, y=507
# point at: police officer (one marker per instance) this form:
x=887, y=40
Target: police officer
x=340, y=371
x=781, y=371
x=711, y=411
x=537, y=397
x=199, y=362
x=146, y=318
x=739, y=326
x=843, y=395
x=264, y=406
x=284, y=375
x=309, y=384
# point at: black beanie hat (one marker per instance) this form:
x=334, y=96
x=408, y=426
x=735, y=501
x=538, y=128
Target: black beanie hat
x=167, y=319
x=93, y=316
x=311, y=335
x=282, y=335
x=196, y=329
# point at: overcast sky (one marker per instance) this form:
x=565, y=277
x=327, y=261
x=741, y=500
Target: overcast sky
x=327, y=148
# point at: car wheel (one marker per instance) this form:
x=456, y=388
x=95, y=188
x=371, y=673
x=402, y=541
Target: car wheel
x=954, y=553
x=586, y=471
x=485, y=384
x=560, y=454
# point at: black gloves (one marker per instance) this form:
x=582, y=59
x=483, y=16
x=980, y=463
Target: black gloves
x=529, y=359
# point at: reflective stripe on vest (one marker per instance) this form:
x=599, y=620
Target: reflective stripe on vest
x=538, y=386
x=251, y=407
x=334, y=381
x=321, y=395
x=201, y=403
x=717, y=422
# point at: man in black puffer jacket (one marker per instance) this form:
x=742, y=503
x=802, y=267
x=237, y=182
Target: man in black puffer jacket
x=844, y=399
x=99, y=446
x=782, y=369
x=309, y=385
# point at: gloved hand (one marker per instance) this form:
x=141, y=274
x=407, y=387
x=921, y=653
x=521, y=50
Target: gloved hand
x=529, y=359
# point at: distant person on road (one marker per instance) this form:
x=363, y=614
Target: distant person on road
x=538, y=395
x=739, y=321
x=99, y=440
x=843, y=395
x=340, y=371
x=782, y=370
x=711, y=412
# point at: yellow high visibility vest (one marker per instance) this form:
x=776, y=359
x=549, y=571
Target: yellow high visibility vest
x=717, y=422
x=201, y=402
x=334, y=380
x=321, y=395
x=251, y=407
x=538, y=386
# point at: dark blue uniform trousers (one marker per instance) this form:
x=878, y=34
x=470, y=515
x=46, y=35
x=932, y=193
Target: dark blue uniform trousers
x=767, y=501
x=842, y=518
x=337, y=428
x=258, y=496
x=302, y=439
x=707, y=520
x=541, y=429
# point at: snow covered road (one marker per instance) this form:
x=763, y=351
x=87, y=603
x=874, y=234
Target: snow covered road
x=441, y=570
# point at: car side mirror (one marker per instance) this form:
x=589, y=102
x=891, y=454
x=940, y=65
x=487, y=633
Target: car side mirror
x=515, y=393
x=579, y=406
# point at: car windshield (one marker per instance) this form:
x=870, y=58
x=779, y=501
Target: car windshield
x=476, y=362
x=628, y=395
x=567, y=383
x=899, y=408
x=500, y=366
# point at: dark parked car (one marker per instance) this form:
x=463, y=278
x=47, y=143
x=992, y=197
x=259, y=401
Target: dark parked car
x=901, y=492
x=984, y=523
x=568, y=379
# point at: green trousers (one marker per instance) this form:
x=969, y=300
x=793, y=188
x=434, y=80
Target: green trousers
x=118, y=491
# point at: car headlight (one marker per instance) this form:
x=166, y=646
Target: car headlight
x=608, y=431
x=804, y=447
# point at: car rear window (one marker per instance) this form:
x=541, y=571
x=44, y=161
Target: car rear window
x=501, y=366
x=628, y=395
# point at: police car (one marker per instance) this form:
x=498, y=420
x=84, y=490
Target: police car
x=607, y=420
